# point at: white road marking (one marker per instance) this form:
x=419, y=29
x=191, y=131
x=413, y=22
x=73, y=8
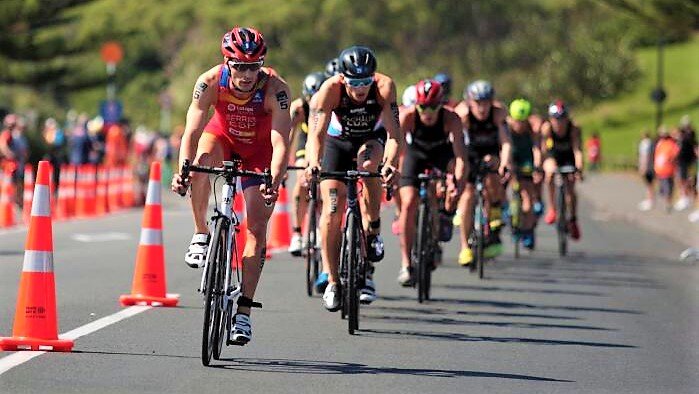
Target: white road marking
x=101, y=237
x=21, y=357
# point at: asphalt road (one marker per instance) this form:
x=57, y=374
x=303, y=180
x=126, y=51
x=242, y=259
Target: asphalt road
x=619, y=315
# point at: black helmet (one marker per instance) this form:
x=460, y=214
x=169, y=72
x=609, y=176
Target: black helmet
x=445, y=80
x=357, y=62
x=312, y=83
x=332, y=67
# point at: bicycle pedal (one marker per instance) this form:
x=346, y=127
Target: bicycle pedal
x=231, y=342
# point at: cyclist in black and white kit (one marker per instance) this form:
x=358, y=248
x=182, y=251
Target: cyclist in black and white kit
x=345, y=126
x=489, y=142
x=299, y=129
x=434, y=139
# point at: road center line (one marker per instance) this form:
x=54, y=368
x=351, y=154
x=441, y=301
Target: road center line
x=21, y=357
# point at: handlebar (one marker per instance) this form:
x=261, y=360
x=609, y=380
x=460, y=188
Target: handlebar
x=229, y=169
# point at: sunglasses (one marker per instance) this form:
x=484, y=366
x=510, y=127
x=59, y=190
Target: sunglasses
x=359, y=82
x=428, y=108
x=241, y=66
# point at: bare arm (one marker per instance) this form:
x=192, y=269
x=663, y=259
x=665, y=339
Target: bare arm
x=203, y=97
x=278, y=105
x=297, y=116
x=320, y=109
x=505, y=142
x=575, y=139
x=455, y=128
x=390, y=115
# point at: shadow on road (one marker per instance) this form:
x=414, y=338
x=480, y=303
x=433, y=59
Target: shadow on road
x=513, y=305
x=455, y=336
x=332, y=367
x=516, y=290
x=448, y=321
x=431, y=310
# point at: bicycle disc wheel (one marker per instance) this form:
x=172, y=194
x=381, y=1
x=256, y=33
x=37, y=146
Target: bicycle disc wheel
x=352, y=293
x=421, y=253
x=212, y=314
x=562, y=222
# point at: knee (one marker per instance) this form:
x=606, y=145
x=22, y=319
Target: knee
x=257, y=232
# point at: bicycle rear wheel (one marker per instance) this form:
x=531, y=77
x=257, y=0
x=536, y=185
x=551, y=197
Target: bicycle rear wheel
x=562, y=222
x=422, y=237
x=213, y=307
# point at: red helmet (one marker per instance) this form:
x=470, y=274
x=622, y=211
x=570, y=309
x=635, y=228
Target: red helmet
x=429, y=92
x=244, y=44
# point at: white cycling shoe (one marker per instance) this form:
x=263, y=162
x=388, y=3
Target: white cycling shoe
x=196, y=253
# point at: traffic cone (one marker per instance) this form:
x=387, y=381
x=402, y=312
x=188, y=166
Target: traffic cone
x=280, y=228
x=128, y=198
x=114, y=188
x=36, y=321
x=7, y=200
x=62, y=210
x=70, y=189
x=149, y=277
x=101, y=205
x=28, y=193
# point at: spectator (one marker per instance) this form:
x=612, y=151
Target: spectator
x=94, y=129
x=20, y=146
x=686, y=162
x=645, y=169
x=7, y=154
x=594, y=151
x=55, y=141
x=79, y=141
x=665, y=164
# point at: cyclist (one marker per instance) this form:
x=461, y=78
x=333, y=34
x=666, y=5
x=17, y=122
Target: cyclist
x=561, y=147
x=251, y=120
x=526, y=162
x=332, y=68
x=299, y=130
x=489, y=142
x=445, y=80
x=429, y=129
x=348, y=107
x=407, y=101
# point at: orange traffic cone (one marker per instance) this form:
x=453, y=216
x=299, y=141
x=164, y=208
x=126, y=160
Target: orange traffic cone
x=28, y=193
x=101, y=206
x=128, y=198
x=7, y=200
x=36, y=320
x=62, y=209
x=280, y=228
x=149, y=277
x=70, y=189
x=114, y=188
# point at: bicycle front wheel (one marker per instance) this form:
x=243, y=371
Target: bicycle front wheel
x=352, y=293
x=422, y=237
x=311, y=250
x=561, y=222
x=213, y=290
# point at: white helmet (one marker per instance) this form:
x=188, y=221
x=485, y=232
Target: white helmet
x=409, y=96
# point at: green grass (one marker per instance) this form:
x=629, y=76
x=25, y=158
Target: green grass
x=621, y=120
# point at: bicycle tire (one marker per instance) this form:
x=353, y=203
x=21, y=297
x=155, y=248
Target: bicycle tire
x=311, y=251
x=352, y=276
x=561, y=222
x=421, y=252
x=211, y=327
x=480, y=239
